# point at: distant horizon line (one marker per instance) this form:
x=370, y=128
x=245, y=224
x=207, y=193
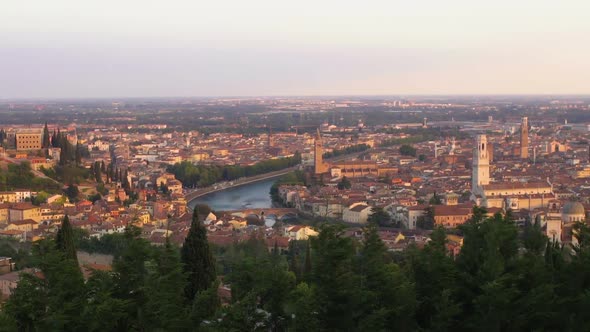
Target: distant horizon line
x=408, y=95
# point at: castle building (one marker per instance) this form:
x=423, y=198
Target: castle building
x=524, y=138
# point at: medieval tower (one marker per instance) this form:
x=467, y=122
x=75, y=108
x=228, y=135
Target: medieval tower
x=524, y=138
x=319, y=166
x=481, y=163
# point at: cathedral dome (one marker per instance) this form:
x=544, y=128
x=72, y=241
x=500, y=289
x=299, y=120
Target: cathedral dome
x=574, y=208
x=573, y=211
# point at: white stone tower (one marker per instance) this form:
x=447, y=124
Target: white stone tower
x=481, y=164
x=187, y=140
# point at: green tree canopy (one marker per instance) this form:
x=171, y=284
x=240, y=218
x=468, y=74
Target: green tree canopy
x=407, y=150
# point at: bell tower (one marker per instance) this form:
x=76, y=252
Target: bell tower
x=318, y=151
x=524, y=138
x=481, y=163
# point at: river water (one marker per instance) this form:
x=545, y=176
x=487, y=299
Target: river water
x=254, y=195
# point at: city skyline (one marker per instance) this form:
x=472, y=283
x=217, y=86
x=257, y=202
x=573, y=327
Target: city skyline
x=65, y=49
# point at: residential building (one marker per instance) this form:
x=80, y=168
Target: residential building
x=22, y=211
x=7, y=197
x=26, y=225
x=300, y=232
x=357, y=213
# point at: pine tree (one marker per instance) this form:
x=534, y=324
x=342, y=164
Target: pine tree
x=336, y=282
x=197, y=258
x=165, y=292
x=130, y=277
x=273, y=284
x=103, y=311
x=28, y=303
x=304, y=308
x=434, y=275
x=65, y=240
x=205, y=305
x=387, y=297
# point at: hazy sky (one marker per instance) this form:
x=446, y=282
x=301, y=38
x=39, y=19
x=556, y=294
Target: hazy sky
x=135, y=48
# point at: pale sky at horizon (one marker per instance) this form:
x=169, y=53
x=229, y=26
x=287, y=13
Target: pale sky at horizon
x=143, y=48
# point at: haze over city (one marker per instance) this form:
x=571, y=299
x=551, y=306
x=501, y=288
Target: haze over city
x=63, y=49
x=294, y=166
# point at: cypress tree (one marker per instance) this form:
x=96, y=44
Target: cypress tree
x=65, y=240
x=97, y=172
x=125, y=181
x=54, y=140
x=196, y=256
x=45, y=136
x=78, y=155
x=58, y=139
x=62, y=156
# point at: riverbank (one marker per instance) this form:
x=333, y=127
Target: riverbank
x=245, y=196
x=197, y=193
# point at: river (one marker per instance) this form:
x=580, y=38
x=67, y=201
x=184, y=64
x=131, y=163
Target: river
x=253, y=195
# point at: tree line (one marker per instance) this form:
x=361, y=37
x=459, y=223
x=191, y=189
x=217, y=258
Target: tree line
x=347, y=150
x=502, y=280
x=192, y=175
x=419, y=135
x=149, y=288
x=111, y=173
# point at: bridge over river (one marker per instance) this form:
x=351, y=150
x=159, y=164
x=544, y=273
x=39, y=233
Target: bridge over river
x=277, y=213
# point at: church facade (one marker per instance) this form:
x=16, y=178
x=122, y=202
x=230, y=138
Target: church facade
x=505, y=195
